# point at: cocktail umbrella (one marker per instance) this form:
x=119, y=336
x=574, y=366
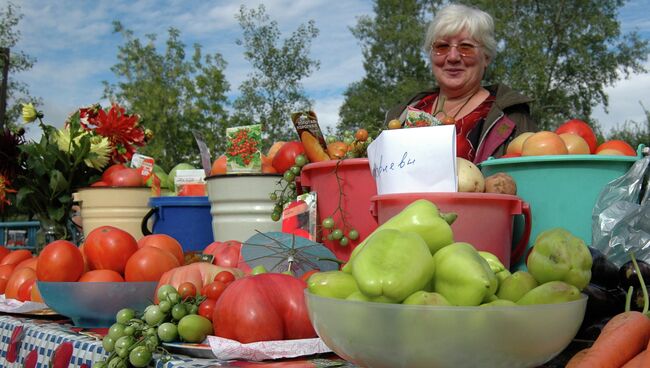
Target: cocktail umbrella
x=280, y=252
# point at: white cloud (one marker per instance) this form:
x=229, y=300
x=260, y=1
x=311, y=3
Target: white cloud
x=625, y=99
x=327, y=111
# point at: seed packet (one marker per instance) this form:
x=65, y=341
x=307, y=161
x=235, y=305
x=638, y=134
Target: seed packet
x=190, y=182
x=311, y=136
x=146, y=164
x=417, y=118
x=243, y=149
x=299, y=216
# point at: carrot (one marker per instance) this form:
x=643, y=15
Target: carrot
x=577, y=358
x=637, y=361
x=623, y=337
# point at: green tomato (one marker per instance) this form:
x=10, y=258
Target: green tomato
x=168, y=332
x=337, y=234
x=174, y=298
x=289, y=176
x=154, y=316
x=353, y=234
x=99, y=365
x=328, y=223
x=273, y=197
x=344, y=241
x=192, y=309
x=275, y=216
x=258, y=270
x=129, y=330
x=108, y=343
x=152, y=342
x=301, y=160
x=116, y=330
x=194, y=328
x=295, y=169
x=117, y=362
x=140, y=356
x=179, y=311
x=165, y=306
x=122, y=346
x=330, y=139
x=124, y=315
x=164, y=290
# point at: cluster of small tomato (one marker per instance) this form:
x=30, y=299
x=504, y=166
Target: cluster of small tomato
x=338, y=234
x=243, y=146
x=287, y=192
x=356, y=144
x=181, y=314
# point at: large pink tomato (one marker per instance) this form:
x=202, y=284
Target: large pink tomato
x=227, y=254
x=264, y=307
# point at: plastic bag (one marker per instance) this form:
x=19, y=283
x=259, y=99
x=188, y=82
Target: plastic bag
x=621, y=216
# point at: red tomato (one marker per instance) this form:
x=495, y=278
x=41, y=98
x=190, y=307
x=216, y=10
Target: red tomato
x=101, y=276
x=99, y=184
x=126, y=177
x=165, y=242
x=268, y=306
x=109, y=248
x=16, y=257
x=286, y=156
x=109, y=170
x=25, y=290
x=60, y=261
x=225, y=277
x=3, y=252
x=206, y=308
x=3, y=285
x=579, y=127
x=149, y=264
x=187, y=290
x=6, y=271
x=16, y=280
x=214, y=289
x=36, y=295
x=29, y=262
x=227, y=254
x=617, y=145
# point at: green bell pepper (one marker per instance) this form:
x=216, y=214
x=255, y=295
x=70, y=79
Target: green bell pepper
x=463, y=276
x=332, y=284
x=392, y=264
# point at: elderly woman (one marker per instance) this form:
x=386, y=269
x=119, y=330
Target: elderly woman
x=460, y=42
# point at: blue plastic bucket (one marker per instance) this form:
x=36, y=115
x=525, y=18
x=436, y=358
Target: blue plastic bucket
x=560, y=189
x=186, y=219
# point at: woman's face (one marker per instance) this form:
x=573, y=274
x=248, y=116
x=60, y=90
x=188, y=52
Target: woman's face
x=457, y=74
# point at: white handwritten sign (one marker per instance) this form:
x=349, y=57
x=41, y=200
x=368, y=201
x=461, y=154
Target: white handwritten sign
x=414, y=160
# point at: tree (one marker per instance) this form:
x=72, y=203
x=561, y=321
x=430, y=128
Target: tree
x=633, y=132
x=172, y=95
x=273, y=90
x=17, y=92
x=394, y=62
x=562, y=53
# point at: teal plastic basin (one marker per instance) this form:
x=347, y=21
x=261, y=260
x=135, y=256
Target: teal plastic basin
x=560, y=189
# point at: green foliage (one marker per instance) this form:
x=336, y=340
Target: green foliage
x=17, y=92
x=50, y=175
x=394, y=61
x=273, y=90
x=172, y=93
x=633, y=132
x=562, y=53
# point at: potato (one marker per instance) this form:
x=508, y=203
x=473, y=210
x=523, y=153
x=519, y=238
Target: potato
x=470, y=178
x=500, y=183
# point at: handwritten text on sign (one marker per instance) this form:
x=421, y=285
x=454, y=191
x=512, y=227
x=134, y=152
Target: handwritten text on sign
x=414, y=160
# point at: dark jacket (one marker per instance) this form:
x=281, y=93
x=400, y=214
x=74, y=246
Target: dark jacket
x=508, y=117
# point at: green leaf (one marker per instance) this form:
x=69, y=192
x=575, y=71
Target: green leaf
x=56, y=213
x=57, y=182
x=22, y=195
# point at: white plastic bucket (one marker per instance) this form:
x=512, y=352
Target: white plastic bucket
x=122, y=207
x=240, y=205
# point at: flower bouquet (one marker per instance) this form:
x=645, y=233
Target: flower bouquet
x=41, y=176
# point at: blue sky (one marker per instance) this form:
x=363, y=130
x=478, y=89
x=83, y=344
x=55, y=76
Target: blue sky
x=75, y=47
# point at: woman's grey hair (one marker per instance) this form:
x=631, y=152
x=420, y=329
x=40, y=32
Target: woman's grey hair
x=453, y=19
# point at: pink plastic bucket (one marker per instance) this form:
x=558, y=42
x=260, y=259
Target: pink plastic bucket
x=485, y=220
x=346, y=185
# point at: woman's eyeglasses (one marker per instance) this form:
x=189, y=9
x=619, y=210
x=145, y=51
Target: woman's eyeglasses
x=464, y=48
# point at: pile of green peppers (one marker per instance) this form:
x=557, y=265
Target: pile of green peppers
x=413, y=259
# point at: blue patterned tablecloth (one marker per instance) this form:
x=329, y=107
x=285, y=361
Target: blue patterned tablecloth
x=46, y=336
